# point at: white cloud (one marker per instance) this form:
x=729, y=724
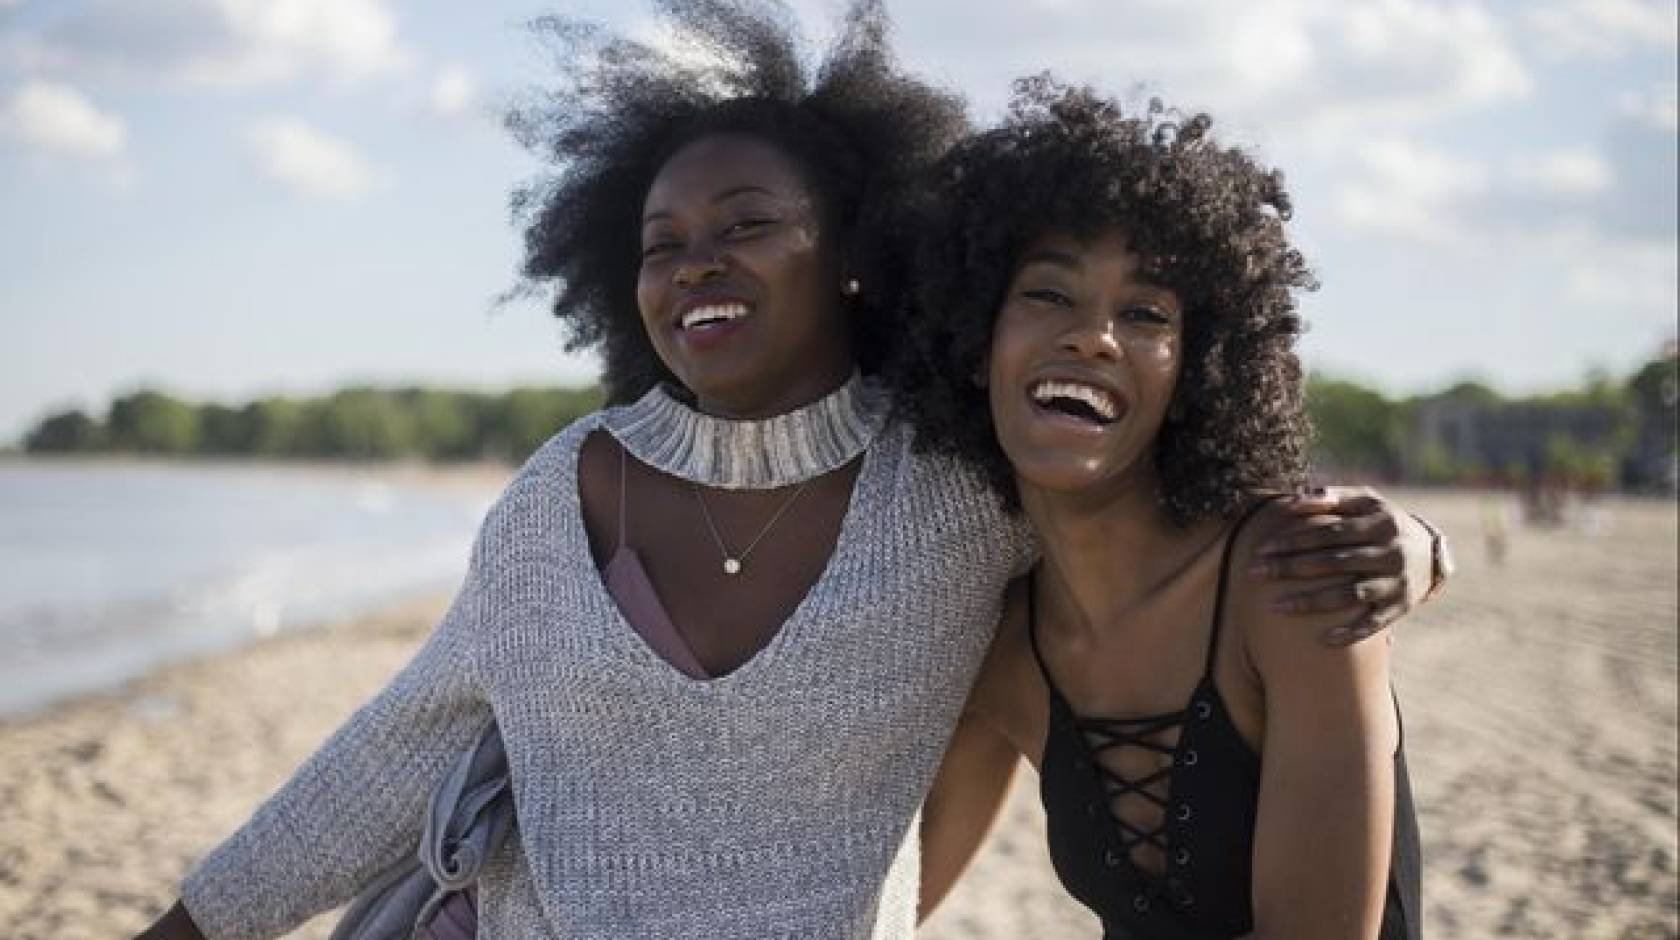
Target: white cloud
x=1657, y=108
x=1602, y=29
x=453, y=91
x=1634, y=280
x=218, y=43
x=59, y=119
x=1407, y=189
x=307, y=161
x=1324, y=68
x=1565, y=173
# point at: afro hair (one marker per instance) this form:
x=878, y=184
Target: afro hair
x=859, y=128
x=1208, y=221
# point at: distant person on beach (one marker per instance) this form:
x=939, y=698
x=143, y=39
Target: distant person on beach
x=1114, y=339
x=726, y=625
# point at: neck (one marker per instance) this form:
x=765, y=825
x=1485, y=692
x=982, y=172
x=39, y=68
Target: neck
x=811, y=383
x=1105, y=549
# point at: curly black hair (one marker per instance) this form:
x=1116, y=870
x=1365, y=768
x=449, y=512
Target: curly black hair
x=858, y=128
x=1209, y=222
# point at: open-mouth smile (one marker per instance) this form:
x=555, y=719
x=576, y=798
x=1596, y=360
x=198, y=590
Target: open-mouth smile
x=1089, y=404
x=711, y=315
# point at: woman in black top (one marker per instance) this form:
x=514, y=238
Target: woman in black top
x=1117, y=291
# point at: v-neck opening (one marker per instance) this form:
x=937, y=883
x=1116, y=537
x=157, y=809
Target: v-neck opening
x=629, y=640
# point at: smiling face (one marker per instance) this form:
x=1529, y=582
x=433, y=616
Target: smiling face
x=1084, y=360
x=739, y=289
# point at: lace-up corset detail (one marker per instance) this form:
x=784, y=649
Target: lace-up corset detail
x=1134, y=759
x=1151, y=819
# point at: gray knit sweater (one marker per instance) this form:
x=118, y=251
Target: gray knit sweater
x=776, y=801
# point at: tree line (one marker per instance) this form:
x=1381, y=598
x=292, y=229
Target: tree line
x=359, y=423
x=1608, y=432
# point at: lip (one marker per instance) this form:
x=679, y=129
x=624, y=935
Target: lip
x=1122, y=401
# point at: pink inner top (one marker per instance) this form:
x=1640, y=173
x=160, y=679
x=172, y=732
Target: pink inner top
x=627, y=581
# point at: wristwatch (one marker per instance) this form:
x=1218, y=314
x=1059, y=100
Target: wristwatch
x=1441, y=564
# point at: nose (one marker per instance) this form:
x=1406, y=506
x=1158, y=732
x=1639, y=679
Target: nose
x=697, y=267
x=1093, y=338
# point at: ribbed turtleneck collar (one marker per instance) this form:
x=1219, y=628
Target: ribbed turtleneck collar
x=671, y=436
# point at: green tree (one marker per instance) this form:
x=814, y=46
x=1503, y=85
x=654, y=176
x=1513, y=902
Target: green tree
x=65, y=432
x=1357, y=429
x=151, y=422
x=446, y=424
x=365, y=424
x=224, y=431
x=275, y=427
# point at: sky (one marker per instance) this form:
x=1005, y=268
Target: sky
x=226, y=198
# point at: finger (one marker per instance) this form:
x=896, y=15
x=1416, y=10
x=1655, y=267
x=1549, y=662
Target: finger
x=1332, y=599
x=1342, y=500
x=1347, y=595
x=1330, y=532
x=1366, y=625
x=1328, y=562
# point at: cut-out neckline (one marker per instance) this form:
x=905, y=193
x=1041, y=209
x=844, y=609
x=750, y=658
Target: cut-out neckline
x=861, y=499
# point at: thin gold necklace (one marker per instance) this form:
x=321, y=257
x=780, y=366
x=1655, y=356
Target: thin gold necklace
x=734, y=564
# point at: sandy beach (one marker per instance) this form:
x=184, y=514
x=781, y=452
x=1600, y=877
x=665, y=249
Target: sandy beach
x=1540, y=712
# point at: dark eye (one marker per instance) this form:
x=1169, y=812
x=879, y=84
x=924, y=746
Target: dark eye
x=1144, y=313
x=745, y=226
x=655, y=249
x=1047, y=295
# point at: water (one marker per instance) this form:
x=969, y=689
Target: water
x=107, y=571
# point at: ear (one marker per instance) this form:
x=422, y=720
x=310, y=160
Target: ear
x=981, y=376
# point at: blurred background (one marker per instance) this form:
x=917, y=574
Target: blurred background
x=254, y=377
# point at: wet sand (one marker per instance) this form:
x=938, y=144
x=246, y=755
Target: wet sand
x=1540, y=703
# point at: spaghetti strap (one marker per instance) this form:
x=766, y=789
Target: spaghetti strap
x=623, y=471
x=1032, y=631
x=1224, y=575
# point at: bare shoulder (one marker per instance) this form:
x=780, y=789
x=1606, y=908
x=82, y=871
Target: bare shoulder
x=1267, y=634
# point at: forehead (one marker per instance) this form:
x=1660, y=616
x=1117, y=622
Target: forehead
x=721, y=164
x=1111, y=246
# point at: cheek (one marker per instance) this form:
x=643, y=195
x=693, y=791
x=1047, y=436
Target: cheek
x=649, y=291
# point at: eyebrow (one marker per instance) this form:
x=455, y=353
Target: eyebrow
x=724, y=196
x=1059, y=258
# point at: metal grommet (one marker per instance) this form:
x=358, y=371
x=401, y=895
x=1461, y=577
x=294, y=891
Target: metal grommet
x=1183, y=812
x=1110, y=859
x=1190, y=758
x=1203, y=710
x=1140, y=903
x=1185, y=898
x=1182, y=856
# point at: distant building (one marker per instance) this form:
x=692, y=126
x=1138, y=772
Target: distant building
x=1653, y=460
x=1474, y=436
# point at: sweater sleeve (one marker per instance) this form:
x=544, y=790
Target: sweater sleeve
x=355, y=806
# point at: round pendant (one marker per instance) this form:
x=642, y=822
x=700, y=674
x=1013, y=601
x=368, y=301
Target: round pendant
x=731, y=566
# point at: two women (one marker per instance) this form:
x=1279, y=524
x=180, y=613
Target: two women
x=726, y=625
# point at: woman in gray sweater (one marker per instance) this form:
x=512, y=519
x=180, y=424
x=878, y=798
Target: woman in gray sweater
x=726, y=625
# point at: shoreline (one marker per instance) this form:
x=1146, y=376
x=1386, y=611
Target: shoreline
x=471, y=474
x=113, y=795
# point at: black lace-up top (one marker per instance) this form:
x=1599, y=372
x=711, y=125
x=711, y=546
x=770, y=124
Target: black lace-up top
x=1207, y=788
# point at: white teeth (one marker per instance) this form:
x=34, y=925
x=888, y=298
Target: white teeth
x=1099, y=399
x=716, y=313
